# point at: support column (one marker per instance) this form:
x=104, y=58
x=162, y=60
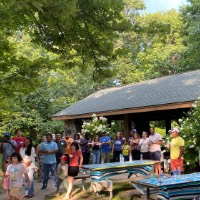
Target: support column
x=127, y=125
x=168, y=125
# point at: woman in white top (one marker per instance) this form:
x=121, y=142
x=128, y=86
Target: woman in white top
x=28, y=155
x=144, y=146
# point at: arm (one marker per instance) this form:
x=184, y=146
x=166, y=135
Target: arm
x=81, y=160
x=158, y=142
x=27, y=178
x=181, y=152
x=14, y=144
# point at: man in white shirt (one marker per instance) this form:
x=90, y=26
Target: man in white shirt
x=155, y=141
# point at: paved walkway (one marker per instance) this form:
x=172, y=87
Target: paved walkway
x=40, y=194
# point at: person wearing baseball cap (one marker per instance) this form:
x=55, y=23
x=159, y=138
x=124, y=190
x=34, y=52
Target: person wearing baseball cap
x=7, y=147
x=176, y=150
x=62, y=172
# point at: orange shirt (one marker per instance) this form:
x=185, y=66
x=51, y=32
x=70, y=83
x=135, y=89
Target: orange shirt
x=68, y=141
x=74, y=159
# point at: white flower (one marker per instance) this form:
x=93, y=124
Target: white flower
x=101, y=118
x=112, y=123
x=95, y=119
x=191, y=146
x=188, y=163
x=180, y=120
x=184, y=136
x=94, y=115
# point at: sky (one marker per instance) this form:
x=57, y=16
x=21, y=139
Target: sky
x=163, y=5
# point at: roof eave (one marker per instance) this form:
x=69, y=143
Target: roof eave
x=169, y=106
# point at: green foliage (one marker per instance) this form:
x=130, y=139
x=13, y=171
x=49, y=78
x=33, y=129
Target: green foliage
x=191, y=20
x=190, y=127
x=154, y=47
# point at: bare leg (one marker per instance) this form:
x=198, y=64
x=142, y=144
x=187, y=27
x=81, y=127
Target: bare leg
x=8, y=193
x=70, y=186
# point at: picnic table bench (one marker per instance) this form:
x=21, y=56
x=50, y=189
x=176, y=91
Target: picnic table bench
x=83, y=176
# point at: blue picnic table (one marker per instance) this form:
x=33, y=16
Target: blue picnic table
x=185, y=186
x=99, y=172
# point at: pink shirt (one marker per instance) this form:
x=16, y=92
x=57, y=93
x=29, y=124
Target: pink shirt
x=155, y=138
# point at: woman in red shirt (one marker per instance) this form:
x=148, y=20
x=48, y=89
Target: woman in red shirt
x=74, y=164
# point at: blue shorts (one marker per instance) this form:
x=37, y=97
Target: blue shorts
x=155, y=155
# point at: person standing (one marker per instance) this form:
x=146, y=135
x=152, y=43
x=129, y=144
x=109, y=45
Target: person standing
x=144, y=146
x=49, y=150
x=135, y=146
x=16, y=171
x=19, y=139
x=85, y=148
x=75, y=162
x=96, y=150
x=117, y=147
x=28, y=155
x=126, y=150
x=62, y=144
x=176, y=150
x=105, y=147
x=62, y=172
x=155, y=142
x=68, y=141
x=8, y=147
x=39, y=157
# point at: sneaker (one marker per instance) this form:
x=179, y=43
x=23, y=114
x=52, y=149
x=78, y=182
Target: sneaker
x=43, y=187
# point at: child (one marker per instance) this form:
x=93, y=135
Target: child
x=6, y=181
x=126, y=149
x=62, y=172
x=15, y=171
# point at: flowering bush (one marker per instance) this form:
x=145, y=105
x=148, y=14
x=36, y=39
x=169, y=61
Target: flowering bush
x=190, y=129
x=97, y=125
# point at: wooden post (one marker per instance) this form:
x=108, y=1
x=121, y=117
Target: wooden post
x=127, y=125
x=168, y=125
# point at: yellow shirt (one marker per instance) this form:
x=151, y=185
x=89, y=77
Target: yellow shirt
x=125, y=150
x=175, y=145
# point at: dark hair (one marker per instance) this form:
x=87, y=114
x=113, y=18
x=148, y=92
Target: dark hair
x=58, y=132
x=76, y=134
x=29, y=148
x=17, y=155
x=75, y=144
x=7, y=158
x=49, y=134
x=17, y=130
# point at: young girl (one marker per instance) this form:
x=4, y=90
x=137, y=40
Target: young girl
x=27, y=152
x=6, y=181
x=126, y=150
x=75, y=161
x=62, y=172
x=15, y=171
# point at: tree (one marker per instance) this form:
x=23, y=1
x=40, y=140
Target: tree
x=190, y=132
x=191, y=19
x=82, y=32
x=155, y=47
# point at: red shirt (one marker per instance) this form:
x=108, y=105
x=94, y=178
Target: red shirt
x=20, y=142
x=74, y=159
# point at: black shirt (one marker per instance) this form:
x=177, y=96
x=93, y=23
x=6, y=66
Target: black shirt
x=61, y=147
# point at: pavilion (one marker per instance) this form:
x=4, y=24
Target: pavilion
x=166, y=98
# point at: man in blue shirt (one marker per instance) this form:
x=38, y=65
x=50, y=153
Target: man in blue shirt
x=49, y=150
x=105, y=147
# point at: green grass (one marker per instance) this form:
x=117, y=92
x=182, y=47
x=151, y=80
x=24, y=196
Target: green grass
x=121, y=191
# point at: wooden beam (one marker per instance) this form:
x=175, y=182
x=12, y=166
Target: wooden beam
x=129, y=110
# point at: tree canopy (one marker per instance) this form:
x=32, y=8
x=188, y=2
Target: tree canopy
x=54, y=53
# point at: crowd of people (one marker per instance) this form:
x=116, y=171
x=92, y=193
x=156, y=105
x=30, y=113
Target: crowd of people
x=59, y=158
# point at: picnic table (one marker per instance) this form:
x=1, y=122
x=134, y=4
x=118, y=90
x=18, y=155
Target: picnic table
x=99, y=172
x=185, y=186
